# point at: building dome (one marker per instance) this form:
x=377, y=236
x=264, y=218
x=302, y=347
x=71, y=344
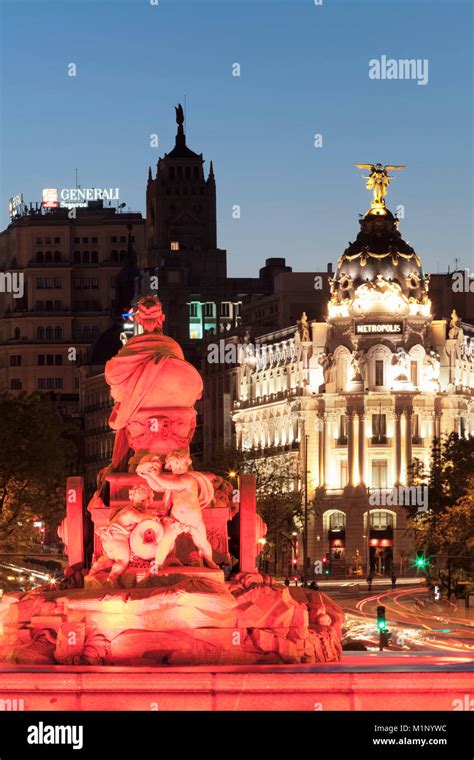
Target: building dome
x=107, y=345
x=379, y=273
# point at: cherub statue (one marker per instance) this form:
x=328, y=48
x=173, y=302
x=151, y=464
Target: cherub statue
x=379, y=179
x=187, y=492
x=115, y=537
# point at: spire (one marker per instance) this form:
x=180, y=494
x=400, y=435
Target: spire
x=211, y=178
x=149, y=174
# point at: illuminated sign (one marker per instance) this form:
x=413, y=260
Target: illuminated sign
x=50, y=197
x=15, y=205
x=78, y=196
x=382, y=328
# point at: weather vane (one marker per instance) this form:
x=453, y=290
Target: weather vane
x=378, y=180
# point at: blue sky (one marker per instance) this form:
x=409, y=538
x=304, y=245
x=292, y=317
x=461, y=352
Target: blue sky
x=304, y=70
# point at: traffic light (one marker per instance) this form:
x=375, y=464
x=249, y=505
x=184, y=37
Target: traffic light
x=325, y=566
x=420, y=560
x=381, y=622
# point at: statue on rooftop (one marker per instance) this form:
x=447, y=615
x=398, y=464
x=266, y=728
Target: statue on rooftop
x=379, y=179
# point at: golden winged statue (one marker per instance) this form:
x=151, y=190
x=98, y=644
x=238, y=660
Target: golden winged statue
x=379, y=179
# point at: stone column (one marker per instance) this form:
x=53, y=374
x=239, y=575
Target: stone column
x=248, y=523
x=362, y=445
x=408, y=443
x=321, y=449
x=350, y=447
x=75, y=520
x=398, y=446
x=327, y=447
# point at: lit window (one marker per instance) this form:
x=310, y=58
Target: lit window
x=209, y=309
x=174, y=245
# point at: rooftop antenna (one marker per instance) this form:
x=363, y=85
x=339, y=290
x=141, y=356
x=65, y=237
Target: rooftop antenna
x=76, y=179
x=456, y=264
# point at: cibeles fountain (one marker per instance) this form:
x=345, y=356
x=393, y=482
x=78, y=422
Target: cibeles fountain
x=155, y=592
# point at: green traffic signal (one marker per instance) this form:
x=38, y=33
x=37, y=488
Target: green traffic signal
x=381, y=622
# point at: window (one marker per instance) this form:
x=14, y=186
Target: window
x=381, y=520
x=17, y=333
x=77, y=257
x=15, y=384
x=58, y=283
x=379, y=428
x=379, y=473
x=57, y=256
x=15, y=360
x=77, y=240
x=85, y=240
x=40, y=282
x=94, y=257
x=58, y=382
x=174, y=245
x=47, y=240
x=94, y=282
x=40, y=333
x=114, y=255
x=39, y=241
x=48, y=256
x=41, y=358
x=58, y=333
x=209, y=309
x=49, y=360
x=39, y=257
x=93, y=240
x=415, y=428
x=49, y=282
x=225, y=309
x=49, y=333
x=342, y=428
x=337, y=521
x=114, y=239
x=414, y=373
x=57, y=240
x=193, y=309
x=58, y=359
x=85, y=257
x=122, y=238
x=379, y=372
x=344, y=473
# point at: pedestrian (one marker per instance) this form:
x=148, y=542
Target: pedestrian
x=287, y=581
x=370, y=578
x=394, y=581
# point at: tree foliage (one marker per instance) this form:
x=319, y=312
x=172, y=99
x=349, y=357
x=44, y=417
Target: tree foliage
x=35, y=457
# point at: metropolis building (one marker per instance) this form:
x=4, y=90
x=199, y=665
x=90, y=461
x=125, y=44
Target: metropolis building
x=358, y=396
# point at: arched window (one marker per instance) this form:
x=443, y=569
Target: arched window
x=57, y=255
x=58, y=333
x=85, y=257
x=94, y=257
x=122, y=255
x=39, y=257
x=77, y=257
x=48, y=256
x=49, y=333
x=40, y=333
x=17, y=333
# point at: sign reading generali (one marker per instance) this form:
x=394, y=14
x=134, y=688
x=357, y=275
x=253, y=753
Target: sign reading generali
x=77, y=196
x=380, y=328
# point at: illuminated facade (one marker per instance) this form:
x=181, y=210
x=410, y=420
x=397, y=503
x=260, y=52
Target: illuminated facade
x=365, y=391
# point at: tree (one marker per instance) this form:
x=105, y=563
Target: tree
x=35, y=457
x=446, y=530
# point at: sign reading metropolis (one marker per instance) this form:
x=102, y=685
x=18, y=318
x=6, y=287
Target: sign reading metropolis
x=69, y=197
x=380, y=328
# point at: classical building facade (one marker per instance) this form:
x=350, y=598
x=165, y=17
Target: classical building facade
x=358, y=396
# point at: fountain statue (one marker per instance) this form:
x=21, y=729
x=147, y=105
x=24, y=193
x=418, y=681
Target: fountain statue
x=156, y=592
